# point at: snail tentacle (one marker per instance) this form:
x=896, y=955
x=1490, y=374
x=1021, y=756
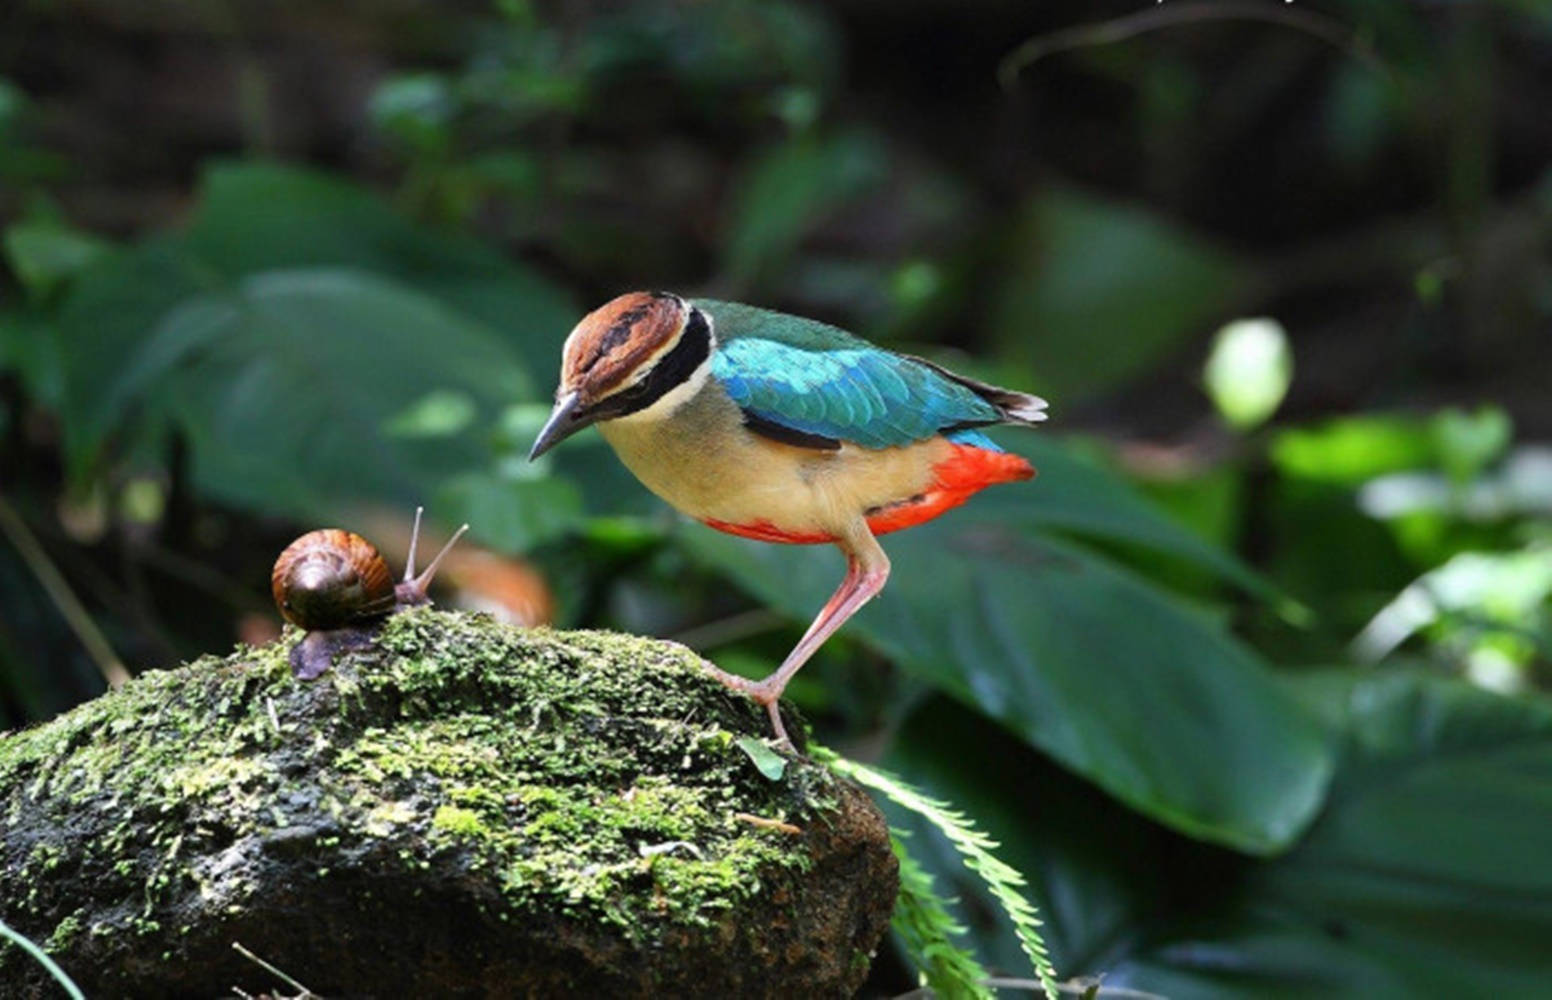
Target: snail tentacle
x=414, y=588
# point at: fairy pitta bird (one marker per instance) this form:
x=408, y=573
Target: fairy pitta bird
x=782, y=429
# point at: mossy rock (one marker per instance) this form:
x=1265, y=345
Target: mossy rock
x=459, y=809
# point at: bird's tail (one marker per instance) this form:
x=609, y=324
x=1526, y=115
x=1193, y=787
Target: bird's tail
x=1015, y=407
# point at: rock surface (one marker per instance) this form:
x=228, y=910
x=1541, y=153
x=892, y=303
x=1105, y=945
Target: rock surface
x=461, y=809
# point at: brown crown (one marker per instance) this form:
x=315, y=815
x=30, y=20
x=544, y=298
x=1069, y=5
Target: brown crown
x=615, y=339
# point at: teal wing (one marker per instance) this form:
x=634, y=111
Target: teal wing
x=798, y=375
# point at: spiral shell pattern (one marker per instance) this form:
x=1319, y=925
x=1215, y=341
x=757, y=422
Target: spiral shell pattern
x=331, y=578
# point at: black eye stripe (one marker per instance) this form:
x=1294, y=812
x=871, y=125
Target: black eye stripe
x=693, y=348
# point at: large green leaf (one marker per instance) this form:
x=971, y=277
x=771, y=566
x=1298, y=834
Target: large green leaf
x=1426, y=873
x=1104, y=671
x=254, y=219
x=104, y=320
x=313, y=345
x=287, y=385
x=787, y=190
x=43, y=253
x=1086, y=499
x=257, y=217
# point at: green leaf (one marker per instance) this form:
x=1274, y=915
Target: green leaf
x=787, y=191
x=1349, y=451
x=1102, y=670
x=416, y=108
x=256, y=217
x=1085, y=499
x=439, y=413
x=1467, y=442
x=29, y=346
x=295, y=323
x=44, y=254
x=1098, y=292
x=1491, y=604
x=1426, y=875
x=770, y=763
x=283, y=385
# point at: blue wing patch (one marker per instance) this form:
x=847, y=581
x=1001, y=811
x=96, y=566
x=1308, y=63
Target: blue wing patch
x=854, y=393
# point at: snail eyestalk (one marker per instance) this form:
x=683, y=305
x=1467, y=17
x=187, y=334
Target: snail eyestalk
x=413, y=589
x=409, y=560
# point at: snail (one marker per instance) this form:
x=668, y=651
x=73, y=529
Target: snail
x=335, y=584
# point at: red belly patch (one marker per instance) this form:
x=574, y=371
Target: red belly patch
x=966, y=471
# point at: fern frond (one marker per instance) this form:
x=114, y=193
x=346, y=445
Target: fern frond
x=922, y=920
x=974, y=847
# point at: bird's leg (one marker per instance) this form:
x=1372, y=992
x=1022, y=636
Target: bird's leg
x=745, y=685
x=412, y=589
x=867, y=568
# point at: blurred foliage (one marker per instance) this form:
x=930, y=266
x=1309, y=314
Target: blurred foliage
x=1081, y=265
x=1251, y=682
x=1248, y=371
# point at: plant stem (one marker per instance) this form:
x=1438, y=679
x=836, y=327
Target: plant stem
x=58, y=590
x=237, y=946
x=42, y=958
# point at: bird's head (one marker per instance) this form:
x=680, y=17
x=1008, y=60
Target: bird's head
x=641, y=353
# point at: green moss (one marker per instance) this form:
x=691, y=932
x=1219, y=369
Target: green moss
x=458, y=822
x=64, y=934
x=589, y=773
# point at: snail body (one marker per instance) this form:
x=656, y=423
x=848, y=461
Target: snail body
x=336, y=585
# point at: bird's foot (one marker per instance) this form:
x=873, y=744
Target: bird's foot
x=769, y=695
x=773, y=708
x=734, y=682
x=762, y=692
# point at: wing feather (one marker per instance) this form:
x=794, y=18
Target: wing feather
x=822, y=382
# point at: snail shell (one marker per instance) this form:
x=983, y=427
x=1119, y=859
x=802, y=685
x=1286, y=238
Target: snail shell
x=331, y=578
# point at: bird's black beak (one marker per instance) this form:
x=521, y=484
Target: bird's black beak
x=566, y=419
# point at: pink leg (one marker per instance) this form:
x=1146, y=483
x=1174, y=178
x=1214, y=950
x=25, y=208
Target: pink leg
x=867, y=569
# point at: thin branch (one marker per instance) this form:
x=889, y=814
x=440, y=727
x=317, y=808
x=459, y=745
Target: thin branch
x=1327, y=29
x=1079, y=988
x=58, y=590
x=767, y=823
x=92, y=581
x=733, y=628
x=237, y=946
x=1076, y=987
